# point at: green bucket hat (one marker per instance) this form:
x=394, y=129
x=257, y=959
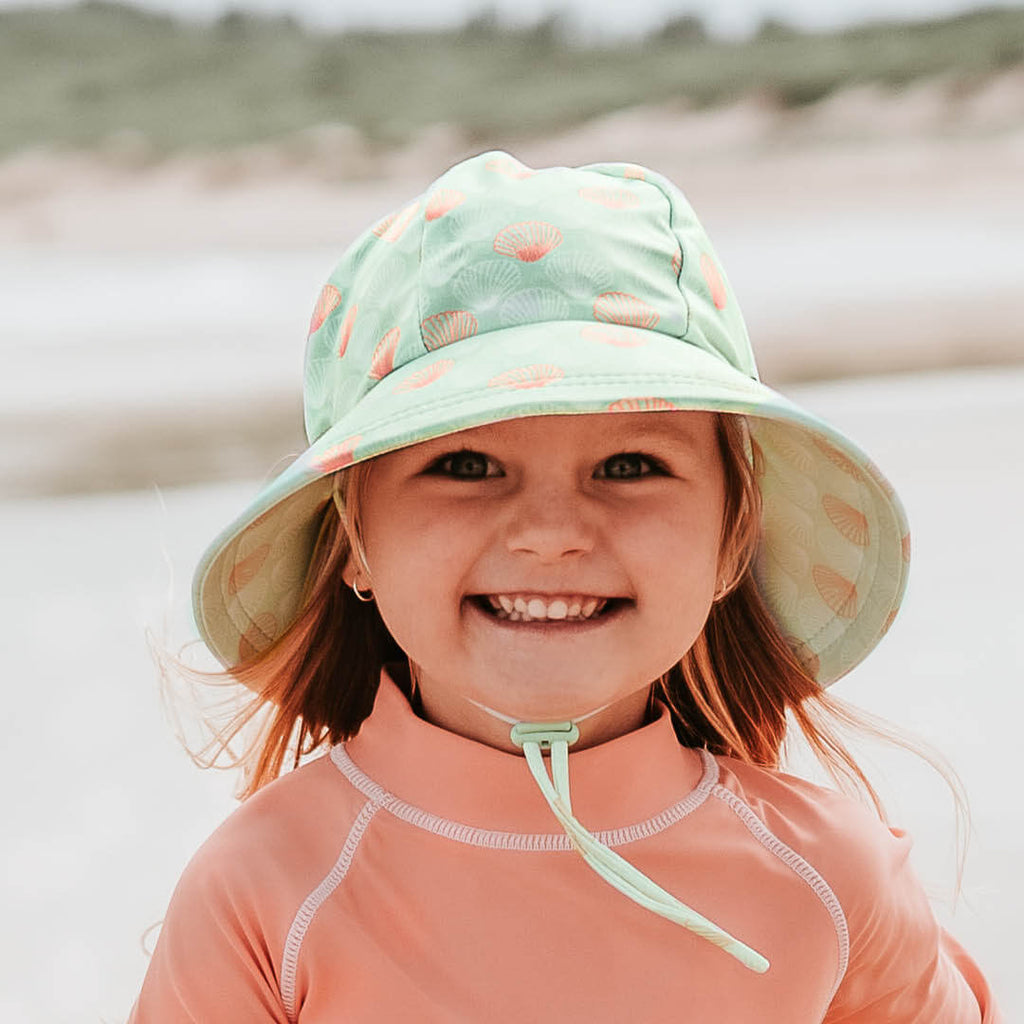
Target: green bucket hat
x=505, y=292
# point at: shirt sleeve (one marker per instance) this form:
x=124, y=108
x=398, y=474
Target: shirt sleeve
x=212, y=961
x=904, y=968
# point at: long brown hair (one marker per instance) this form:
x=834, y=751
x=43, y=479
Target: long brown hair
x=732, y=693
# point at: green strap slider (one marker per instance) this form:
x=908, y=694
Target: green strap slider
x=544, y=734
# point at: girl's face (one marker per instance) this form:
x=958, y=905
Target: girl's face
x=624, y=508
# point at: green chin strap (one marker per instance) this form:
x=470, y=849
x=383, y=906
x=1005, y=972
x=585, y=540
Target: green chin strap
x=556, y=737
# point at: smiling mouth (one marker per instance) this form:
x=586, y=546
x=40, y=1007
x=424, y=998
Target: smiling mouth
x=604, y=608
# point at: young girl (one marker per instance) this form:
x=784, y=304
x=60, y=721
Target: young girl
x=544, y=588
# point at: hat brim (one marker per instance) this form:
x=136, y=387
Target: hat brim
x=833, y=560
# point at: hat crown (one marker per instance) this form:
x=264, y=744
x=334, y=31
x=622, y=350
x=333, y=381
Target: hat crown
x=493, y=245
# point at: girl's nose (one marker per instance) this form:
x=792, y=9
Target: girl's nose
x=550, y=524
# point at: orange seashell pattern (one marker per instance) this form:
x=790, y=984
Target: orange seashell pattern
x=345, y=331
x=641, y=405
x=612, y=198
x=509, y=168
x=534, y=376
x=383, y=361
x=714, y=281
x=849, y=521
x=245, y=569
x=623, y=308
x=448, y=327
x=837, y=458
x=338, y=456
x=443, y=201
x=258, y=637
x=527, y=241
x=905, y=545
x=329, y=300
x=612, y=336
x=426, y=376
x=836, y=591
x=677, y=262
x=634, y=172
x=392, y=227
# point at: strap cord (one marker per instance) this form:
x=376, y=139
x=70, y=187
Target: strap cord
x=615, y=870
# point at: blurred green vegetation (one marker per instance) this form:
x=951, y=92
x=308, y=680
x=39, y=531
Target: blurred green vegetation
x=76, y=76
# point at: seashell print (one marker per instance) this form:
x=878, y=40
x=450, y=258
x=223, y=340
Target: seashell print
x=319, y=377
x=793, y=451
x=837, y=458
x=791, y=557
x=392, y=227
x=426, y=376
x=618, y=336
x=714, y=281
x=448, y=327
x=836, y=591
x=623, y=308
x=905, y=545
x=634, y=172
x=876, y=474
x=787, y=519
x=287, y=569
x=485, y=286
x=443, y=201
x=527, y=241
x=383, y=361
x=641, y=405
x=534, y=305
x=261, y=633
x=889, y=620
x=329, y=300
x=509, y=168
x=849, y=521
x=782, y=594
x=535, y=376
x=612, y=198
x=677, y=262
x=245, y=569
x=345, y=330
x=338, y=456
x=580, y=275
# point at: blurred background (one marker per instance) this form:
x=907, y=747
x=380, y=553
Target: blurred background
x=176, y=181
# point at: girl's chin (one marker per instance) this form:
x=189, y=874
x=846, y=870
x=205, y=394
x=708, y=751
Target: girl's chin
x=539, y=703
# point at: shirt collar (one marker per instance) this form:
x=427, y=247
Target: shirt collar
x=615, y=784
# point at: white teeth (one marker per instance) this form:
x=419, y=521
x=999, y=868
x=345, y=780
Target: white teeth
x=522, y=609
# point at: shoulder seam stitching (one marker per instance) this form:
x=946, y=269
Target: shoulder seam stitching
x=313, y=902
x=802, y=868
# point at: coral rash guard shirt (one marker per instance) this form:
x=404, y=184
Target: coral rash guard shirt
x=414, y=875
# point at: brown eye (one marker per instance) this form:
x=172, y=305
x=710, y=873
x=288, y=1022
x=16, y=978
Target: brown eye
x=462, y=465
x=629, y=466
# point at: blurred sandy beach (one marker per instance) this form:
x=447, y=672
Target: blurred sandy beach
x=152, y=330
x=147, y=307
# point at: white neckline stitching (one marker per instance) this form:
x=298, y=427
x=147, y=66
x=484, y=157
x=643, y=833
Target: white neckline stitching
x=522, y=842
